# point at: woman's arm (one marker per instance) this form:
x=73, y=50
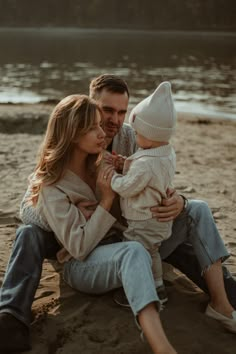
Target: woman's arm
x=78, y=235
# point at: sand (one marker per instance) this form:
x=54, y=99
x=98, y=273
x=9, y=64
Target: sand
x=68, y=322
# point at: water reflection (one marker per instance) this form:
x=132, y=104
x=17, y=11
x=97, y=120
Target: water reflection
x=49, y=64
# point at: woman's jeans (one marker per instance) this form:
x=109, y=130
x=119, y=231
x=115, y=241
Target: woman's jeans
x=108, y=267
x=194, y=245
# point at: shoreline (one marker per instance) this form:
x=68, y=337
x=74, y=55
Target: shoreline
x=110, y=30
x=32, y=118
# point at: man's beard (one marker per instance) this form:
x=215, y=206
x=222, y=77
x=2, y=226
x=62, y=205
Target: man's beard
x=111, y=130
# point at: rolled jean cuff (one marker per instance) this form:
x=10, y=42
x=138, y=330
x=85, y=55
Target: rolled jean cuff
x=206, y=261
x=143, y=304
x=205, y=269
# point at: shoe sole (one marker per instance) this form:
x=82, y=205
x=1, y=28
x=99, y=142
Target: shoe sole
x=126, y=305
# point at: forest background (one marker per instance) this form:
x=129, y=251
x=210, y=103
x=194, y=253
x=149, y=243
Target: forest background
x=215, y=15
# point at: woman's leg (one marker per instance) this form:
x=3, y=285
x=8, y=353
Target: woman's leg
x=152, y=328
x=125, y=264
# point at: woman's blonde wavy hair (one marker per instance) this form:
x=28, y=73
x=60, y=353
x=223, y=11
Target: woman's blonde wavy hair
x=72, y=117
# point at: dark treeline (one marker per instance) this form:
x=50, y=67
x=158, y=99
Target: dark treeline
x=132, y=14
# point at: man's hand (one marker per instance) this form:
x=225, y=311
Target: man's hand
x=170, y=208
x=87, y=208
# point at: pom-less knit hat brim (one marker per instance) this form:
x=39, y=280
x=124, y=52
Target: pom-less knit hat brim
x=155, y=116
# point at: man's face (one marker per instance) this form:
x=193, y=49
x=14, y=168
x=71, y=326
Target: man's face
x=114, y=107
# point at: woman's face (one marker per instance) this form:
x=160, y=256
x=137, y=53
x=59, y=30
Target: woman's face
x=93, y=141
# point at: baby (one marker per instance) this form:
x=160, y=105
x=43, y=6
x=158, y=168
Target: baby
x=148, y=174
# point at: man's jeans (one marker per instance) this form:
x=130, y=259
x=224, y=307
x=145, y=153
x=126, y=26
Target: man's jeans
x=32, y=245
x=194, y=245
x=202, y=247
x=196, y=227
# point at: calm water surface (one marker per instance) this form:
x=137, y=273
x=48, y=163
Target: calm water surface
x=41, y=64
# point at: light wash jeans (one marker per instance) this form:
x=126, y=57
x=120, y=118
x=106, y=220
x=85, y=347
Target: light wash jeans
x=195, y=241
x=108, y=267
x=196, y=227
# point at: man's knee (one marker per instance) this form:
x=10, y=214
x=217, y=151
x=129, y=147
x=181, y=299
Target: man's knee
x=27, y=232
x=197, y=208
x=33, y=237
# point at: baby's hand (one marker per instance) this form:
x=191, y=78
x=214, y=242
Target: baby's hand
x=116, y=160
x=107, y=159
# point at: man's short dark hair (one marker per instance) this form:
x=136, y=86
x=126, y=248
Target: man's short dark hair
x=111, y=83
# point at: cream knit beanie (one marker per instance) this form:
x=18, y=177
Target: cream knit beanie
x=155, y=116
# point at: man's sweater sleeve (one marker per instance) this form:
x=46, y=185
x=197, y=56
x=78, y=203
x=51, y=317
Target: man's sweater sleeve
x=78, y=236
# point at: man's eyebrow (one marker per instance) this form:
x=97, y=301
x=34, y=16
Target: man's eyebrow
x=108, y=107
x=113, y=109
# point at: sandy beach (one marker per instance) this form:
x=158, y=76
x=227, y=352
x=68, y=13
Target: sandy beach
x=68, y=322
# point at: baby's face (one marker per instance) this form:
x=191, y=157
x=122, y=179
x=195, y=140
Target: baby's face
x=143, y=142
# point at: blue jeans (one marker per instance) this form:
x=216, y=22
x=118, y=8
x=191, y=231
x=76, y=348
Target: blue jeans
x=196, y=227
x=32, y=245
x=111, y=266
x=194, y=245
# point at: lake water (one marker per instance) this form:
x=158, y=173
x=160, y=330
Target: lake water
x=43, y=64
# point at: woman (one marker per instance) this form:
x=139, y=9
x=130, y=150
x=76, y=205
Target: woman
x=65, y=176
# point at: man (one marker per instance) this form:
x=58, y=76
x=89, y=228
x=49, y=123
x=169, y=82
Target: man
x=112, y=94
x=194, y=233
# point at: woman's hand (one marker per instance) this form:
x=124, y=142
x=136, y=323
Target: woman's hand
x=170, y=208
x=104, y=184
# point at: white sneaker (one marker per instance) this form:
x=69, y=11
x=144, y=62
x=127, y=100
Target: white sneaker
x=228, y=323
